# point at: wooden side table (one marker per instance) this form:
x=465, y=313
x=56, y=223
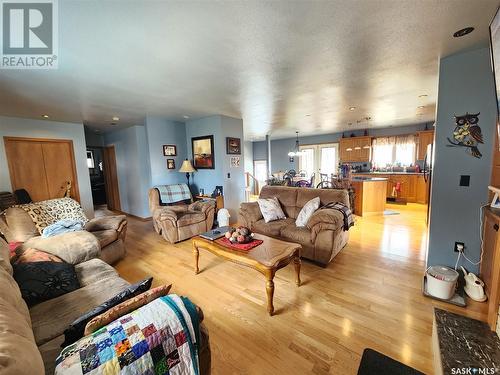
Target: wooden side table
x=219, y=200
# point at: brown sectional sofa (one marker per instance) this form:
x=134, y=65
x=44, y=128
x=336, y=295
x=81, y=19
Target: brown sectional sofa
x=108, y=234
x=30, y=339
x=323, y=236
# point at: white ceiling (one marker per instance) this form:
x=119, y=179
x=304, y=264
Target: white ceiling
x=280, y=65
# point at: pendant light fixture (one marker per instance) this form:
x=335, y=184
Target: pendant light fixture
x=296, y=151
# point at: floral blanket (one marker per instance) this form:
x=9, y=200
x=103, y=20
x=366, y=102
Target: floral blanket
x=159, y=338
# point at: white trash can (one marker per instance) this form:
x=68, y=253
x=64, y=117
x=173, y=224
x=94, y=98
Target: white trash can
x=441, y=281
x=223, y=217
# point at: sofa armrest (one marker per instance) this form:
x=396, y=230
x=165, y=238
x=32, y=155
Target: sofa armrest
x=72, y=247
x=202, y=206
x=324, y=219
x=106, y=222
x=250, y=213
x=165, y=214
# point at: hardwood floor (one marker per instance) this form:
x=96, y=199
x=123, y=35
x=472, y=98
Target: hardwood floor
x=369, y=296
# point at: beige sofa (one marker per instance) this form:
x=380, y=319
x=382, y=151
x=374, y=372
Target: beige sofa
x=323, y=236
x=30, y=340
x=182, y=221
x=108, y=233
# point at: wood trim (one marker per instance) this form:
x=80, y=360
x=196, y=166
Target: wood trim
x=7, y=139
x=111, y=178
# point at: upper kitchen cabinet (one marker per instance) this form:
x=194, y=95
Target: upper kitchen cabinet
x=425, y=138
x=355, y=149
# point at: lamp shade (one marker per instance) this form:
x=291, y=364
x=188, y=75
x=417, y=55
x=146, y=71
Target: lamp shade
x=187, y=167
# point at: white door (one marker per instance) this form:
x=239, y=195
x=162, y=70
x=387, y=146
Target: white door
x=260, y=172
x=322, y=158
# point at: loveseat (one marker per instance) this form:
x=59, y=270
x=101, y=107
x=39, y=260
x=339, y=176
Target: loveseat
x=30, y=339
x=23, y=224
x=180, y=221
x=323, y=236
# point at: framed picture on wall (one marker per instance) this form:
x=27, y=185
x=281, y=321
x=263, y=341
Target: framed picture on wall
x=169, y=150
x=170, y=164
x=233, y=146
x=203, y=152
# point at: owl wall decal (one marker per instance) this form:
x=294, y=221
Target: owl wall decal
x=467, y=134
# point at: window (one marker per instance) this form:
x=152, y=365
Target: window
x=390, y=151
x=260, y=171
x=316, y=159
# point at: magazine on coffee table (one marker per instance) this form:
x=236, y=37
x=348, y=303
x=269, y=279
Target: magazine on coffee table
x=215, y=233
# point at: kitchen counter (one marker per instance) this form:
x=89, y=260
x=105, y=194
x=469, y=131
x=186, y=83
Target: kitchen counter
x=376, y=173
x=369, y=195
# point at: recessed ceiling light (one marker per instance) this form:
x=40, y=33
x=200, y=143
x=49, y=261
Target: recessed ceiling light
x=115, y=118
x=423, y=96
x=352, y=108
x=45, y=116
x=463, y=32
x=186, y=116
x=421, y=106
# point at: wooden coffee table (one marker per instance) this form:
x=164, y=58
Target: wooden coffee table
x=266, y=258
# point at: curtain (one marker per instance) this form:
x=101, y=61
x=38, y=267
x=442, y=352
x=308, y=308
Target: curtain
x=383, y=151
x=405, y=150
x=390, y=151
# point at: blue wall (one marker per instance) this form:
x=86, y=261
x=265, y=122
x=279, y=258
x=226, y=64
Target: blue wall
x=465, y=85
x=132, y=163
x=234, y=186
x=281, y=147
x=162, y=132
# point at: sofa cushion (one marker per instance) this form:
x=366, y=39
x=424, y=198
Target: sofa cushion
x=5, y=257
x=93, y=271
x=306, y=212
x=296, y=234
x=325, y=196
x=286, y=195
x=76, y=329
x=73, y=247
x=29, y=255
x=105, y=237
x=189, y=218
x=271, y=209
x=41, y=281
x=19, y=227
x=273, y=228
x=126, y=307
x=19, y=354
x=51, y=318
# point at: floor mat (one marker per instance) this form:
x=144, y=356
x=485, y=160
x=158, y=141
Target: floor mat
x=374, y=363
x=391, y=212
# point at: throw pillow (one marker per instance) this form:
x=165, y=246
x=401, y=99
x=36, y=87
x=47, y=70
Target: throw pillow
x=307, y=211
x=271, y=209
x=125, y=307
x=30, y=255
x=41, y=281
x=76, y=329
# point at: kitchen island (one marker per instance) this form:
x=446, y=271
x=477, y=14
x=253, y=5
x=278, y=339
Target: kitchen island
x=414, y=187
x=370, y=195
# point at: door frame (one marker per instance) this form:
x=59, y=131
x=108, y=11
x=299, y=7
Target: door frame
x=7, y=139
x=111, y=186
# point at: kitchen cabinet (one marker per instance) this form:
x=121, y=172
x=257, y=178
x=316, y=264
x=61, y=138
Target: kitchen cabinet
x=425, y=138
x=355, y=149
x=422, y=190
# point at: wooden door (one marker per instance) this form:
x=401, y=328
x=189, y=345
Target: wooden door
x=425, y=138
x=42, y=166
x=111, y=179
x=412, y=188
x=59, y=162
x=421, y=190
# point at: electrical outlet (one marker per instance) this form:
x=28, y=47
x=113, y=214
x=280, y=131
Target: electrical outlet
x=458, y=246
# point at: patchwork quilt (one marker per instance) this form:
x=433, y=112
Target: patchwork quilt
x=158, y=338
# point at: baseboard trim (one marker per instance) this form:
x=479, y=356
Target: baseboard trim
x=149, y=218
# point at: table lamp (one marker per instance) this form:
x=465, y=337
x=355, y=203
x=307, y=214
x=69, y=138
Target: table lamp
x=188, y=168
